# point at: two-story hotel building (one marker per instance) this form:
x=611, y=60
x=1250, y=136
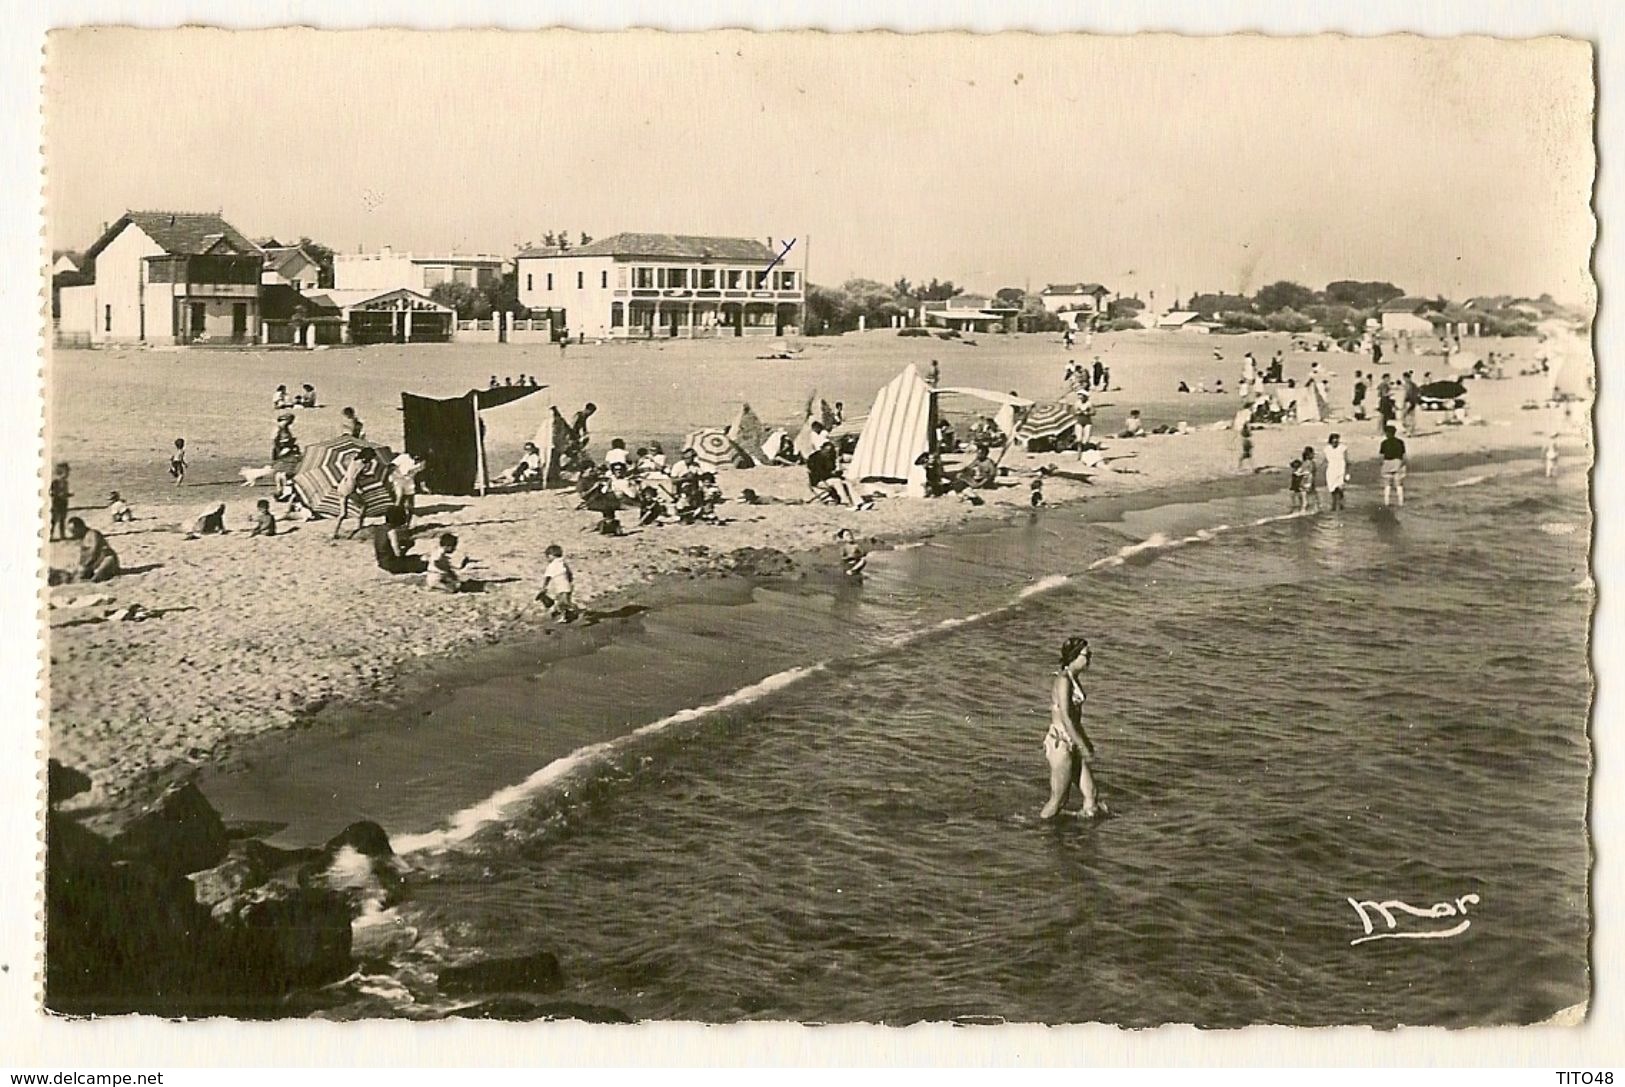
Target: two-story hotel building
x=667, y=285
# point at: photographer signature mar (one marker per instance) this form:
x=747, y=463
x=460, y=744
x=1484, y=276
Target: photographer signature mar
x=1395, y=920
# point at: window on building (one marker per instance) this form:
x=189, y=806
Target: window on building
x=643, y=278
x=107, y=318
x=465, y=276
x=529, y=286
x=708, y=279
x=581, y=280
x=677, y=277
x=759, y=280
x=787, y=281
x=734, y=278
x=617, y=315
x=620, y=276
x=487, y=276
x=603, y=279
x=433, y=276
x=550, y=281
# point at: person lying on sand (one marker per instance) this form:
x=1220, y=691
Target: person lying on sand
x=528, y=469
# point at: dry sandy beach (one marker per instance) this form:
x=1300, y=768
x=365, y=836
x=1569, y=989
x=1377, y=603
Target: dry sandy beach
x=247, y=635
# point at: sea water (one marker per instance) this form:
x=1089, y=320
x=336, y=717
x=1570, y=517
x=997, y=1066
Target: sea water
x=1293, y=716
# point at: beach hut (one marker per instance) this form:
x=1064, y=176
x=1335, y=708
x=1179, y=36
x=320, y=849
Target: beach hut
x=449, y=435
x=900, y=428
x=1311, y=401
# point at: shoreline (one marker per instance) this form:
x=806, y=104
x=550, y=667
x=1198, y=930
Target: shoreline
x=416, y=673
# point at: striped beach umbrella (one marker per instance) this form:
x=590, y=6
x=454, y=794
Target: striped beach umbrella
x=1047, y=420
x=322, y=469
x=713, y=447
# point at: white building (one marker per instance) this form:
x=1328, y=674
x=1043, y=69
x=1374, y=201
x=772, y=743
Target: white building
x=1079, y=302
x=387, y=270
x=670, y=285
x=290, y=265
x=969, y=313
x=1405, y=317
x=165, y=277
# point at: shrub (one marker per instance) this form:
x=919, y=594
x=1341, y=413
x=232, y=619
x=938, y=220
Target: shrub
x=1122, y=324
x=948, y=334
x=1288, y=320
x=914, y=332
x=1249, y=322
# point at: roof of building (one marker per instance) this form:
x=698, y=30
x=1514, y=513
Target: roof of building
x=665, y=247
x=1074, y=288
x=280, y=257
x=278, y=302
x=343, y=298
x=74, y=258
x=1176, y=318
x=179, y=233
x=1407, y=304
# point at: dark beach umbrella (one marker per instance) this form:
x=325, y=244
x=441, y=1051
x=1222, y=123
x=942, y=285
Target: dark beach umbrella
x=1443, y=390
x=322, y=469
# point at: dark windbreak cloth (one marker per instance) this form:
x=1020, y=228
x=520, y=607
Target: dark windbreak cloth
x=443, y=435
x=1443, y=390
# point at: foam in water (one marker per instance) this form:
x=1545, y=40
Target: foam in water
x=1468, y=482
x=1559, y=528
x=1043, y=585
x=499, y=805
x=466, y=823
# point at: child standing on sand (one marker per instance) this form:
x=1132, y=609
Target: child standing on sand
x=60, y=496
x=853, y=557
x=558, y=586
x=1245, y=460
x=177, y=462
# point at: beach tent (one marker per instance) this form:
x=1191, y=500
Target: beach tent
x=1311, y=401
x=448, y=435
x=900, y=428
x=748, y=434
x=322, y=469
x=1568, y=361
x=818, y=411
x=1011, y=409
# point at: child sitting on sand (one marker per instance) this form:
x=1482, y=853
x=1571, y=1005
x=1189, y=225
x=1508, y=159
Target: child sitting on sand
x=558, y=586
x=264, y=523
x=443, y=575
x=118, y=509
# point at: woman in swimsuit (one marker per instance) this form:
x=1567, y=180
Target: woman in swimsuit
x=1066, y=745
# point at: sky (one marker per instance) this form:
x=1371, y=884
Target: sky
x=1150, y=163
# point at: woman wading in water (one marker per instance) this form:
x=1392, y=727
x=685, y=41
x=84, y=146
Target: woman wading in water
x=1066, y=745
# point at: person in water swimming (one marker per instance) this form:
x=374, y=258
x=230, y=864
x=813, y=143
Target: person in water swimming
x=1066, y=745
